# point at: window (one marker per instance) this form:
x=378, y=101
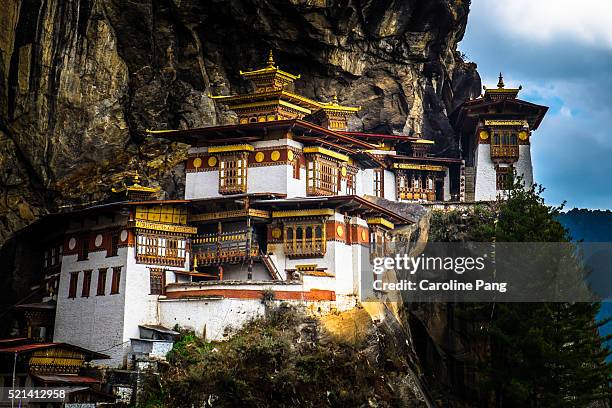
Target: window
x=233, y=173
x=53, y=256
x=86, y=284
x=84, y=249
x=505, y=144
x=101, y=282
x=114, y=246
x=116, y=280
x=351, y=183
x=156, y=281
x=379, y=184
x=322, y=176
x=503, y=178
x=161, y=250
x=416, y=185
x=74, y=279
x=296, y=168
x=305, y=239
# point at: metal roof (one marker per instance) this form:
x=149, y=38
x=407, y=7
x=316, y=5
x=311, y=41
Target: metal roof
x=27, y=348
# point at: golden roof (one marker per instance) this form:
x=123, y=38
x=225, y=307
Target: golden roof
x=271, y=75
x=334, y=106
x=501, y=92
x=135, y=188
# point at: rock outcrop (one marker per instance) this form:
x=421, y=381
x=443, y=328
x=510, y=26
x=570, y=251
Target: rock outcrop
x=81, y=81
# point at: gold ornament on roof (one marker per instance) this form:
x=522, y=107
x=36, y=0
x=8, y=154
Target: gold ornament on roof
x=500, y=83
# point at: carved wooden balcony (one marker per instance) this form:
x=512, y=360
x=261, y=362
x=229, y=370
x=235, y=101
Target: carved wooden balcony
x=305, y=248
x=227, y=247
x=504, y=152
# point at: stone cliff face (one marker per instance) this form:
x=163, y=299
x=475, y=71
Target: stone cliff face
x=81, y=81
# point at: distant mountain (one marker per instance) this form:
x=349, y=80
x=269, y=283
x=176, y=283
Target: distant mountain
x=588, y=225
x=591, y=226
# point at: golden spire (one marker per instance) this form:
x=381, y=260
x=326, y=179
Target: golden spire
x=500, y=83
x=270, y=59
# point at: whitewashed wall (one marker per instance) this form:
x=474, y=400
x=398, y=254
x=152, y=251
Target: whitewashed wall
x=524, y=166
x=485, y=184
x=486, y=188
x=95, y=322
x=389, y=183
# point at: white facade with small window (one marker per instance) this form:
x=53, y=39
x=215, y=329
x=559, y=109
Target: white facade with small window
x=103, y=315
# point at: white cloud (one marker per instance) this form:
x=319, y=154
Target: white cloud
x=589, y=21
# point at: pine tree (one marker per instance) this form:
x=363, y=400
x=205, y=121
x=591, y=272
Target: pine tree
x=542, y=354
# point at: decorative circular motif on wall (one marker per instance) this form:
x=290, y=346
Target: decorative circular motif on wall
x=123, y=236
x=212, y=161
x=98, y=240
x=259, y=157
x=275, y=155
x=484, y=135
x=340, y=230
x=289, y=155
x=197, y=162
x=523, y=135
x=276, y=233
x=343, y=171
x=364, y=235
x=72, y=243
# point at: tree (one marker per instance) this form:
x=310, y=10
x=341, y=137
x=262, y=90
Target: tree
x=542, y=354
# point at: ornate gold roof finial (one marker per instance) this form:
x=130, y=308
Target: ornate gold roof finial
x=270, y=59
x=500, y=83
x=335, y=99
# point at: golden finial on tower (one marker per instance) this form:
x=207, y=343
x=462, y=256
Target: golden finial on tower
x=335, y=99
x=270, y=59
x=500, y=83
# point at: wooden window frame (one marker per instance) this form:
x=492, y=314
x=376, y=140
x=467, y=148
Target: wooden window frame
x=164, y=250
x=83, y=254
x=157, y=281
x=505, y=144
x=115, y=280
x=86, y=288
x=322, y=176
x=305, y=239
x=379, y=182
x=295, y=164
x=233, y=173
x=351, y=182
x=101, y=283
x=113, y=249
x=503, y=178
x=72, y=285
x=415, y=185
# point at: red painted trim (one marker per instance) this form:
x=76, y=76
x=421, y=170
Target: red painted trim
x=313, y=295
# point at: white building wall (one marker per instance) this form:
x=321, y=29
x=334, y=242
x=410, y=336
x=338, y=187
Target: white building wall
x=485, y=186
x=95, y=322
x=141, y=306
x=485, y=183
x=524, y=166
x=365, y=183
x=209, y=317
x=447, y=194
x=295, y=187
x=204, y=184
x=389, y=185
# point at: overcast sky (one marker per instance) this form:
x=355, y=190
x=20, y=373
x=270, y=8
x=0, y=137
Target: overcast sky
x=561, y=52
